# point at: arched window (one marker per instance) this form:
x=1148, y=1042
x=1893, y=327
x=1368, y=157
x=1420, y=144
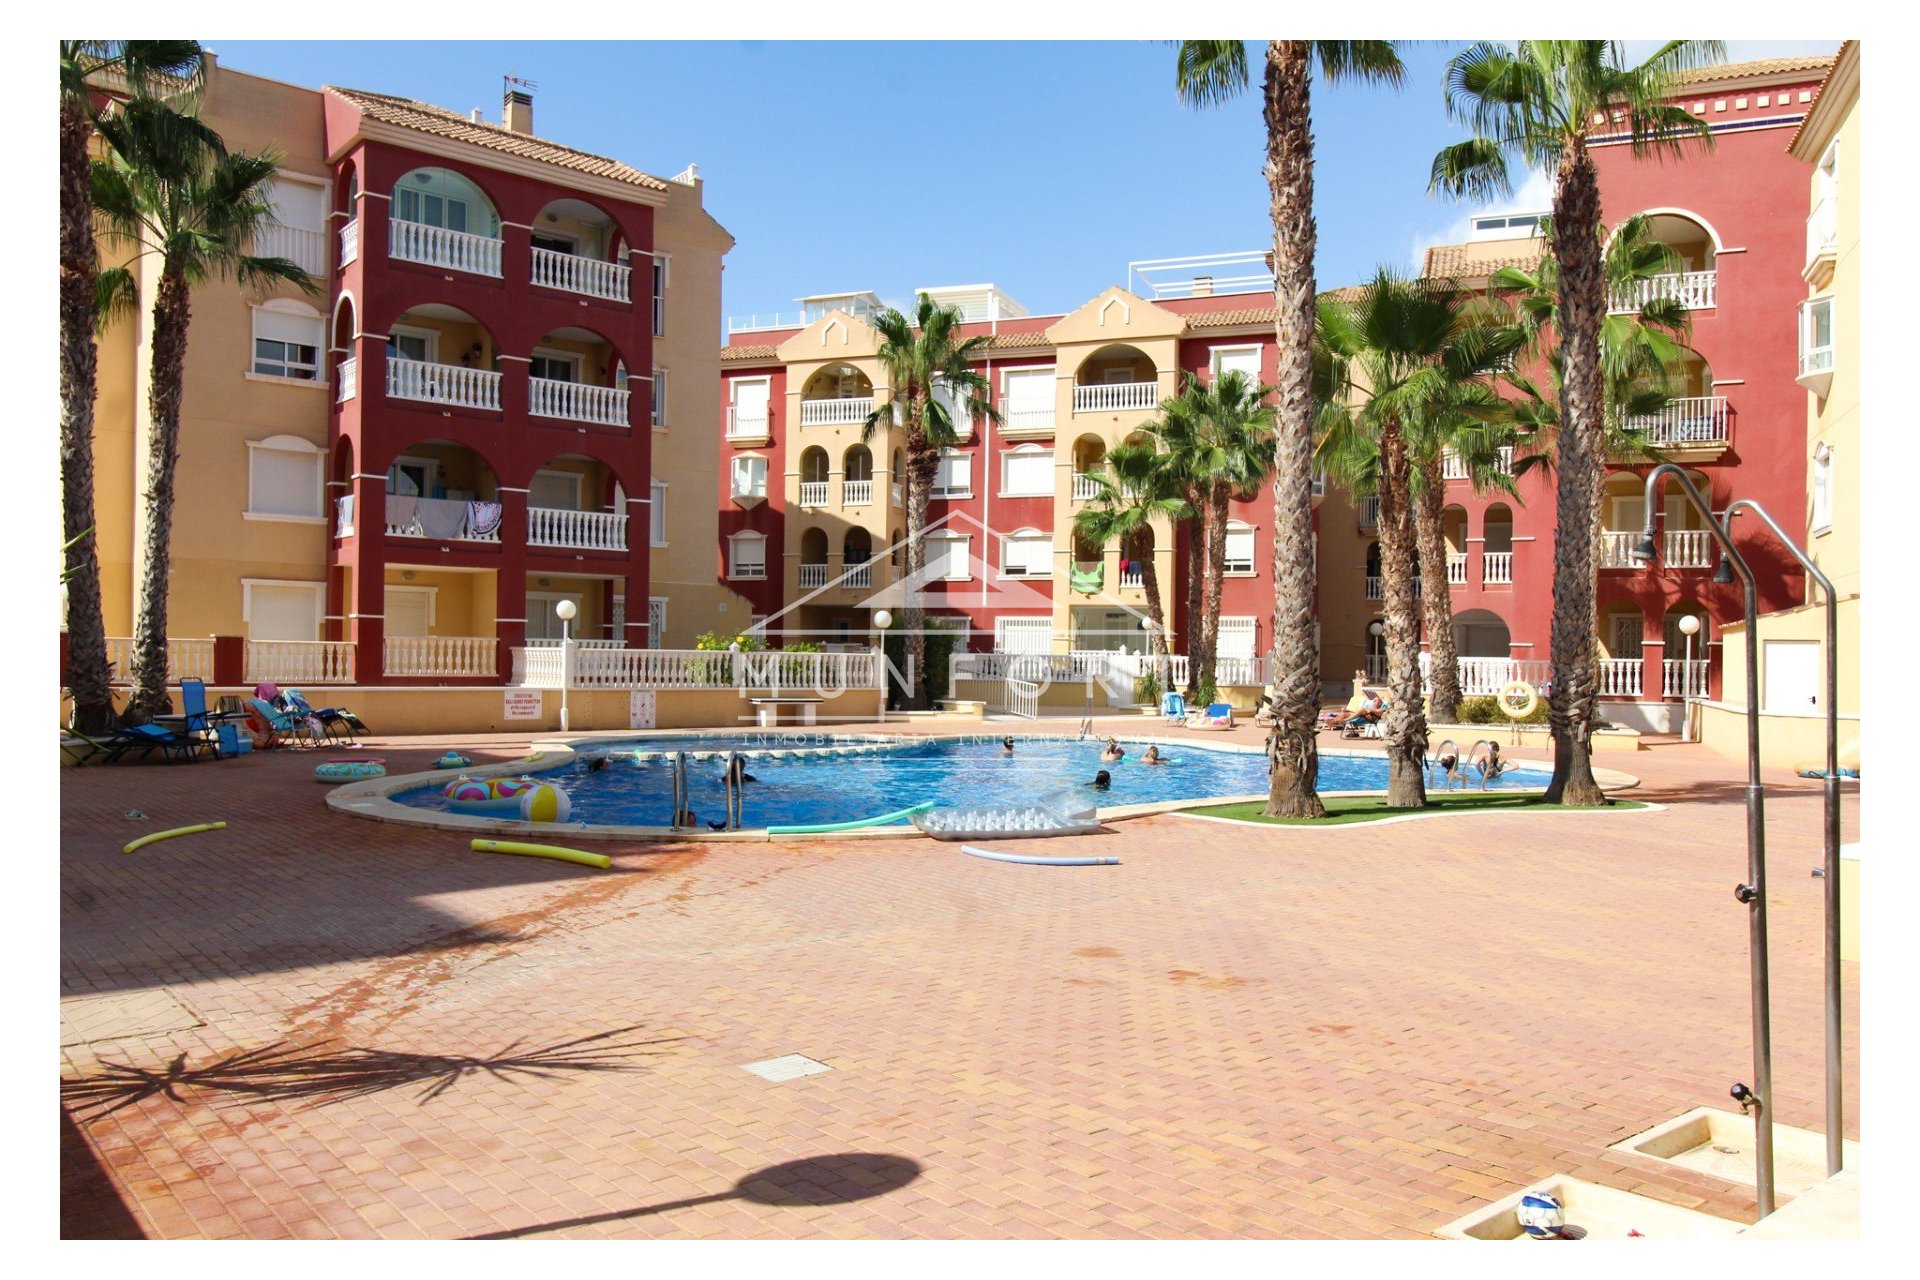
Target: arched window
x=1027, y=471
x=284, y=479
x=1026, y=553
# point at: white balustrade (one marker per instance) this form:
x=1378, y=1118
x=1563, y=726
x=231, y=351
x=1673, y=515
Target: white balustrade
x=1680, y=678
x=440, y=655
x=297, y=662
x=439, y=247
x=894, y=493
x=1485, y=677
x=343, y=516
x=1024, y=415
x=348, y=378
x=1369, y=513
x=1694, y=290
x=748, y=426
x=1456, y=568
x=589, y=530
x=1085, y=487
x=578, y=274
x=1452, y=465
x=1496, y=566
x=1616, y=549
x=577, y=401
x=1686, y=420
x=306, y=248
x=813, y=575
x=831, y=413
x=1107, y=397
x=450, y=384
x=1621, y=677
x=1133, y=580
x=1376, y=667
x=1376, y=589
x=857, y=574
x=774, y=670
x=431, y=514
x=856, y=493
x=1240, y=671
x=813, y=493
x=189, y=658
x=1687, y=549
x=350, y=241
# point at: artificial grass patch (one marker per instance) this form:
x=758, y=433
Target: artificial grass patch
x=1348, y=810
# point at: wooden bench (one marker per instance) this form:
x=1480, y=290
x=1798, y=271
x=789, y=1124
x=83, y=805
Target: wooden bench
x=767, y=710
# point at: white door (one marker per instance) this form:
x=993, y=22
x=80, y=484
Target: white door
x=1236, y=637
x=1023, y=635
x=1790, y=676
x=409, y=612
x=750, y=400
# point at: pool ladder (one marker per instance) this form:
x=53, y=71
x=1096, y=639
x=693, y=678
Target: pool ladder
x=681, y=818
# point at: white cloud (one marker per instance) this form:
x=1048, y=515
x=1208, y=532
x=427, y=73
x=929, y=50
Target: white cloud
x=1535, y=194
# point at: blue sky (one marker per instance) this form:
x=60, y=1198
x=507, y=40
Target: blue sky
x=1042, y=167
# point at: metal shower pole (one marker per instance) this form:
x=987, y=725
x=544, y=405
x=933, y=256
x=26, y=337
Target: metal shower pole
x=1753, y=893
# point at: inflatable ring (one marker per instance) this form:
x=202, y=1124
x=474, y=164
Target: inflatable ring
x=452, y=760
x=348, y=771
x=1518, y=700
x=487, y=795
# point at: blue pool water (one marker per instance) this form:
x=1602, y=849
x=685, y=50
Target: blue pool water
x=819, y=786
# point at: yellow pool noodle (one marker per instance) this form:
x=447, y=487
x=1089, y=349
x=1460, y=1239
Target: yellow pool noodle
x=599, y=860
x=131, y=845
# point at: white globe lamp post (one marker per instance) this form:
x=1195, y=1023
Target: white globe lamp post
x=566, y=611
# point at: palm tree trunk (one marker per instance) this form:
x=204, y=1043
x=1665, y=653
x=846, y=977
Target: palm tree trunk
x=86, y=674
x=1293, y=752
x=1405, y=724
x=922, y=463
x=1444, y=702
x=171, y=315
x=1196, y=576
x=1216, y=581
x=1573, y=704
x=1150, y=582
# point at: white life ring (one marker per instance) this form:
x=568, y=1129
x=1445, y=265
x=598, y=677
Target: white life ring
x=1518, y=700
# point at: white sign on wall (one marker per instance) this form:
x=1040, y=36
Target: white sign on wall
x=640, y=709
x=525, y=704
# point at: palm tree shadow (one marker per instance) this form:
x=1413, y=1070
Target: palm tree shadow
x=314, y=1075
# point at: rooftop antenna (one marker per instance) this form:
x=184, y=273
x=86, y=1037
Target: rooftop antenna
x=510, y=82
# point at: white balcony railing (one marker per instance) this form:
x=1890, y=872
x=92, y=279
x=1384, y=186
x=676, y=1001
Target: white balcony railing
x=1133, y=580
x=1823, y=229
x=1687, y=420
x=1369, y=513
x=893, y=491
x=1452, y=465
x=813, y=493
x=187, y=658
x=857, y=574
x=1694, y=290
x=450, y=384
x=350, y=241
x=577, y=274
x=440, y=655
x=348, y=377
x=1616, y=548
x=1456, y=568
x=812, y=575
x=835, y=413
x=439, y=247
x=771, y=670
x=1085, y=487
x=1680, y=678
x=306, y=248
x=576, y=401
x=343, y=516
x=297, y=662
x=1377, y=588
x=1496, y=566
x=587, y=530
x=1107, y=397
x=1024, y=416
x=1240, y=671
x=443, y=519
x=1621, y=677
x=1484, y=677
x=856, y=493
x=1687, y=549
x=748, y=426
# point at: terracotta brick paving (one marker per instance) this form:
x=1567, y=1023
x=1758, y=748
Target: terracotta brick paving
x=1238, y=1032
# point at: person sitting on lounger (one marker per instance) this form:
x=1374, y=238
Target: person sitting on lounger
x=1113, y=753
x=1102, y=780
x=1487, y=761
x=1369, y=711
x=1152, y=756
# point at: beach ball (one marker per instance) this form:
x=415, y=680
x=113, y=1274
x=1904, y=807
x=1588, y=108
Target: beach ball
x=545, y=803
x=1540, y=1215
x=466, y=790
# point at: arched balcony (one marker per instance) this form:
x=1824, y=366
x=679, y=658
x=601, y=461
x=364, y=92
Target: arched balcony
x=1694, y=417
x=856, y=555
x=1453, y=531
x=1695, y=285
x=443, y=219
x=441, y=491
x=856, y=484
x=577, y=249
x=838, y=395
x=814, y=567
x=441, y=355
x=575, y=502
x=1685, y=661
x=1685, y=542
x=1114, y=378
x=577, y=375
x=815, y=486
x=1089, y=452
x=1496, y=555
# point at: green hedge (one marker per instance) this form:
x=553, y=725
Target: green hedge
x=1487, y=711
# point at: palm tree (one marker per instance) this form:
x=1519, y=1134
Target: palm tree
x=169, y=190
x=1135, y=489
x=920, y=355
x=1209, y=72
x=1543, y=101
x=1236, y=458
x=90, y=68
x=1400, y=361
x=1179, y=433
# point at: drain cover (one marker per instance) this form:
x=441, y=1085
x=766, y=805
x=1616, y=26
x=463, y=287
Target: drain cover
x=791, y=1067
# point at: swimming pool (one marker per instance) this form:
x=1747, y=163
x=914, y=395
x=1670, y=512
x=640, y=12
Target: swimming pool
x=837, y=778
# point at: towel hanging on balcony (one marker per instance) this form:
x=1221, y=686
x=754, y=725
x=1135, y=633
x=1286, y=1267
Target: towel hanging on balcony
x=482, y=518
x=1087, y=581
x=401, y=511
x=442, y=517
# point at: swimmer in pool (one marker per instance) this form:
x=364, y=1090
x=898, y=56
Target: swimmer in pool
x=596, y=764
x=1152, y=756
x=1102, y=780
x=1113, y=753
x=1006, y=746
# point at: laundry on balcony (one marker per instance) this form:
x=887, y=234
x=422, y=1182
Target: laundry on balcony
x=1088, y=581
x=402, y=511
x=442, y=518
x=483, y=518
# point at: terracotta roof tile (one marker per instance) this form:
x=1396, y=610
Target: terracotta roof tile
x=1031, y=340
x=427, y=118
x=1454, y=261
x=737, y=354
x=1758, y=67
x=1227, y=319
